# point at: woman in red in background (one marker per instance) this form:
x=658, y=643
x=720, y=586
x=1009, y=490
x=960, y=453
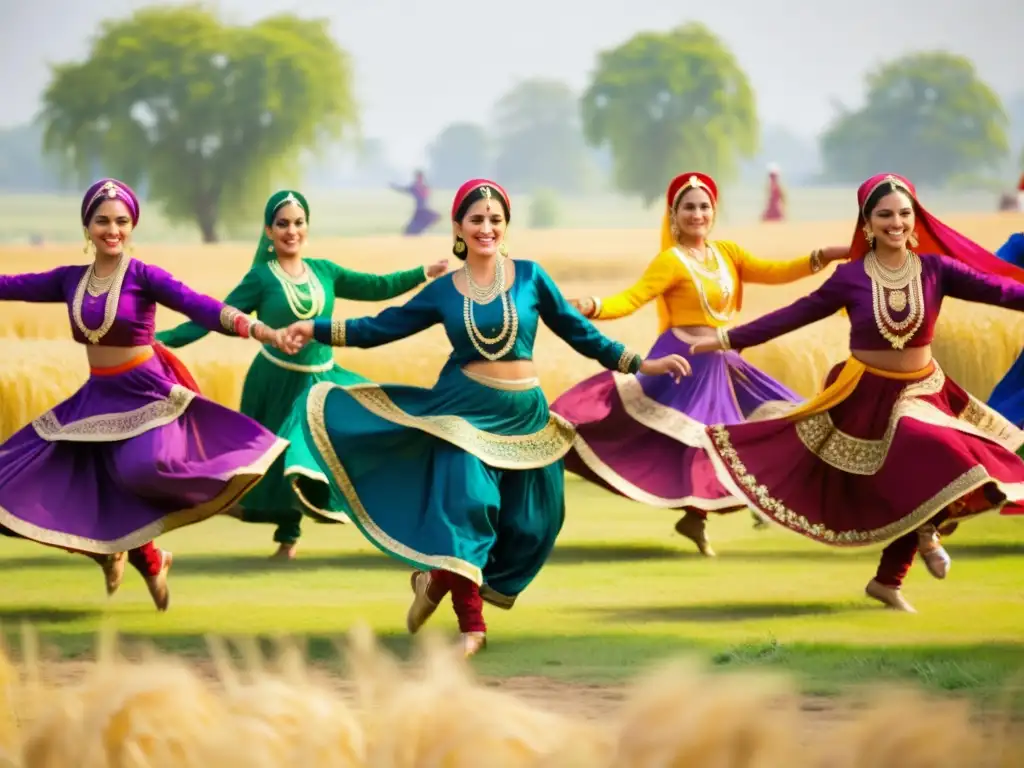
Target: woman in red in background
x=892, y=451
x=776, y=209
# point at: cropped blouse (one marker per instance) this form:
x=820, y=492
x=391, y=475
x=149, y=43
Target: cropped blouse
x=279, y=300
x=689, y=294
x=867, y=303
x=122, y=316
x=534, y=296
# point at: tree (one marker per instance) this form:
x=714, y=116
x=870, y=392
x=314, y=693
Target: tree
x=539, y=140
x=926, y=116
x=207, y=115
x=459, y=152
x=22, y=165
x=669, y=102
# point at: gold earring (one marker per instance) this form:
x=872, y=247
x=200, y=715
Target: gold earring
x=460, y=246
x=869, y=235
x=913, y=240
x=503, y=249
x=88, y=242
x=270, y=248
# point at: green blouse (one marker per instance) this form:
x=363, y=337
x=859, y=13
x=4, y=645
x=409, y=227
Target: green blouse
x=279, y=300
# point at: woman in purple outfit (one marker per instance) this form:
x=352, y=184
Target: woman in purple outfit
x=641, y=436
x=137, y=451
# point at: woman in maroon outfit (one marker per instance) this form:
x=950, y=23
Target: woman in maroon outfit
x=892, y=451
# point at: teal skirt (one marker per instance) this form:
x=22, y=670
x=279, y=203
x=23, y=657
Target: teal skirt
x=465, y=477
x=268, y=396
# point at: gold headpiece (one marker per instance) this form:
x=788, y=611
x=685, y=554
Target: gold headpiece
x=485, y=191
x=895, y=185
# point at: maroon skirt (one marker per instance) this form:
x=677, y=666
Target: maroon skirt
x=885, y=458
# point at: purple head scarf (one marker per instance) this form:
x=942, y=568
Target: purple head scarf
x=109, y=189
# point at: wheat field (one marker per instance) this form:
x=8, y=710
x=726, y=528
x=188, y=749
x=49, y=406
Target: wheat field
x=41, y=365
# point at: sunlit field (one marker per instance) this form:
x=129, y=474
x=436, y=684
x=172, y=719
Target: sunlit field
x=622, y=589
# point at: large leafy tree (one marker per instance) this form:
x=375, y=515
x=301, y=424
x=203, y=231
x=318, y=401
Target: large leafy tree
x=665, y=102
x=927, y=116
x=540, y=143
x=205, y=114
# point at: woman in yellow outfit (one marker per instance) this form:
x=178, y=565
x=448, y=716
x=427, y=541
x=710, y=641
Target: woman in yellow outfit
x=639, y=436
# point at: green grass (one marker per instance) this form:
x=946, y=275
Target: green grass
x=621, y=591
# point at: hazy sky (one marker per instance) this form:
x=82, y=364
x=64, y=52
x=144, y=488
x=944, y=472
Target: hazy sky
x=421, y=64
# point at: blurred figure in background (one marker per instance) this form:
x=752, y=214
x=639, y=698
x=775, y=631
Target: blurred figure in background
x=422, y=217
x=776, y=209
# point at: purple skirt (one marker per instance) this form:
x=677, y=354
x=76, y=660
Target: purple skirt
x=129, y=456
x=643, y=437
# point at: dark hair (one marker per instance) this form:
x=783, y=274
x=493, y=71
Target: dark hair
x=688, y=190
x=883, y=190
x=464, y=206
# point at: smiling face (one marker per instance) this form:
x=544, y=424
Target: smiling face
x=892, y=220
x=288, y=230
x=694, y=214
x=110, y=228
x=483, y=227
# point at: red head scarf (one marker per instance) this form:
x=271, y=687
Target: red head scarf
x=676, y=188
x=932, y=235
x=472, y=184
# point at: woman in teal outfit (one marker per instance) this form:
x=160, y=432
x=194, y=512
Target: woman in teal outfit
x=463, y=481
x=282, y=287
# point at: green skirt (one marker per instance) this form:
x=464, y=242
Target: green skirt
x=269, y=395
x=466, y=476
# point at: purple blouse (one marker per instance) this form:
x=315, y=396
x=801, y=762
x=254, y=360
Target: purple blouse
x=135, y=291
x=851, y=288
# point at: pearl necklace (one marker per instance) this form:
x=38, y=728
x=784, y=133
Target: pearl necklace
x=904, y=285
x=482, y=296
x=90, y=283
x=290, y=286
x=715, y=271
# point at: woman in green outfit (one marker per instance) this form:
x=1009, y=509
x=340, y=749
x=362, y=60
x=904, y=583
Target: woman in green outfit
x=283, y=287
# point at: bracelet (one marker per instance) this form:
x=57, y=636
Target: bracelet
x=629, y=362
x=597, y=306
x=816, y=265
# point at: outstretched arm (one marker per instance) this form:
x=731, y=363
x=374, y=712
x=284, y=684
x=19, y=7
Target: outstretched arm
x=578, y=332
x=753, y=269
x=366, y=286
x=969, y=284
x=659, y=276
x=818, y=305
x=244, y=297
x=36, y=287
x=394, y=323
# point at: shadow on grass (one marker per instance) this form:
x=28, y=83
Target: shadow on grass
x=719, y=612
x=16, y=615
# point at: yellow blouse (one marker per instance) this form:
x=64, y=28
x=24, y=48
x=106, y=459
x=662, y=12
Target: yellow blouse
x=688, y=293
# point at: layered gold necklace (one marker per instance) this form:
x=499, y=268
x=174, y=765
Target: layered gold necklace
x=485, y=295
x=97, y=286
x=290, y=285
x=895, y=290
x=711, y=266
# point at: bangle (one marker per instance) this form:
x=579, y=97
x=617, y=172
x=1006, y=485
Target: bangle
x=629, y=362
x=241, y=325
x=597, y=306
x=816, y=264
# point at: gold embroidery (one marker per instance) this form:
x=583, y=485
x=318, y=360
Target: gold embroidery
x=315, y=418
x=735, y=475
x=721, y=277
x=337, y=333
x=723, y=338
x=626, y=361
x=108, y=427
x=298, y=368
x=237, y=484
x=227, y=318
x=655, y=416
x=495, y=598
x=532, y=451
x=109, y=306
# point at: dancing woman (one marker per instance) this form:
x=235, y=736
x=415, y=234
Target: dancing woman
x=463, y=480
x=641, y=437
x=136, y=451
x=892, y=451
x=283, y=287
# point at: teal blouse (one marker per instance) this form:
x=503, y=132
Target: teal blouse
x=536, y=298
